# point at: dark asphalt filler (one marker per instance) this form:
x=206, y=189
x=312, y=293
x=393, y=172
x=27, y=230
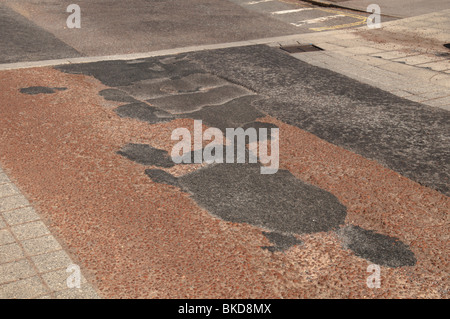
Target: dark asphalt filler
x=146, y=155
x=402, y=135
x=23, y=41
x=33, y=90
x=290, y=90
x=117, y=95
x=280, y=242
x=283, y=206
x=379, y=249
x=144, y=112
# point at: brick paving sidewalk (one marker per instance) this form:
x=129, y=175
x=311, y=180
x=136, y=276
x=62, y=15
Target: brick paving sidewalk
x=32, y=262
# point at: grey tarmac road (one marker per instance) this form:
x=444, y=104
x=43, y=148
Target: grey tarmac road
x=64, y=148
x=36, y=30
x=22, y=40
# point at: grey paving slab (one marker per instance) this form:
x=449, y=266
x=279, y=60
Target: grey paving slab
x=8, y=189
x=6, y=237
x=439, y=101
x=20, y=216
x=437, y=66
x=3, y=178
x=10, y=252
x=40, y=245
x=57, y=280
x=30, y=230
x=16, y=270
x=408, y=8
x=52, y=261
x=13, y=202
x=419, y=59
x=436, y=94
x=23, y=289
x=391, y=55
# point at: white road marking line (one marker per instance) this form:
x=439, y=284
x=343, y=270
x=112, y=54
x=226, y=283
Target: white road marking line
x=292, y=11
x=317, y=20
x=256, y=2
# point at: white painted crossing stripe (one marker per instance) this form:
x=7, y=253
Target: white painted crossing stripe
x=260, y=1
x=292, y=11
x=317, y=20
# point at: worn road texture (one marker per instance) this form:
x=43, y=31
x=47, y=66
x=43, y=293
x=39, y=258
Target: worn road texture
x=404, y=136
x=22, y=40
x=362, y=178
x=132, y=26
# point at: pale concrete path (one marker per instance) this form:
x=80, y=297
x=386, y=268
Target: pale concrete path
x=405, y=57
x=32, y=262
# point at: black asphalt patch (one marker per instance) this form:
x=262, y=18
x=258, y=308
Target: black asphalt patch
x=280, y=242
x=179, y=87
x=407, y=137
x=282, y=204
x=162, y=177
x=123, y=73
x=143, y=112
x=21, y=40
x=117, y=95
x=33, y=90
x=231, y=114
x=278, y=202
x=155, y=88
x=187, y=103
x=261, y=125
x=379, y=249
x=146, y=155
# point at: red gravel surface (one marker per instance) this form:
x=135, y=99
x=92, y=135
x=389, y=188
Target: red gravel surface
x=138, y=239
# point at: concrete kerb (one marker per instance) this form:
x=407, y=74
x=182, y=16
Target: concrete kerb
x=134, y=56
x=305, y=38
